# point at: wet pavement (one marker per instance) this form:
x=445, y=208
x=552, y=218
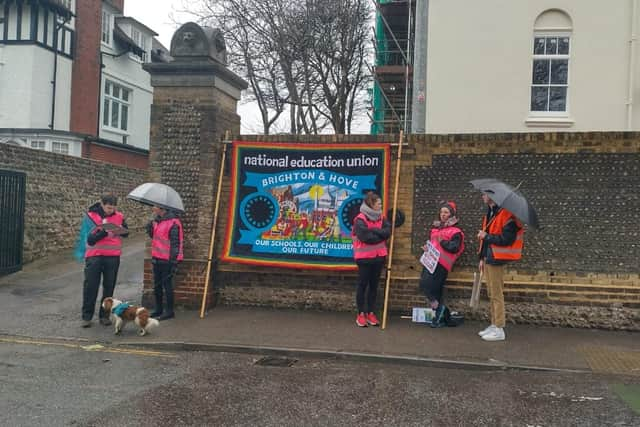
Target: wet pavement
x=44, y=301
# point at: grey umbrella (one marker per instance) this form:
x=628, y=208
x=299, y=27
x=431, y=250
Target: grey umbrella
x=156, y=194
x=508, y=198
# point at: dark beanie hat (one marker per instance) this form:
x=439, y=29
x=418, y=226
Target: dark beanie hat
x=451, y=205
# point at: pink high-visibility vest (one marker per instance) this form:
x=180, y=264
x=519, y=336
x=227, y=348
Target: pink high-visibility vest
x=363, y=250
x=446, y=258
x=110, y=245
x=161, y=244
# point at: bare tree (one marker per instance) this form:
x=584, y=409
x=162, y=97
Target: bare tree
x=338, y=57
x=307, y=57
x=251, y=52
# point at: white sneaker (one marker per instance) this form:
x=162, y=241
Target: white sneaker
x=486, y=330
x=496, y=334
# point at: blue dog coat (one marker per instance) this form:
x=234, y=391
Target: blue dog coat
x=120, y=308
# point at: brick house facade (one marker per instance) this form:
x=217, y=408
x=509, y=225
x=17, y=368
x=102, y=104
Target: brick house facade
x=72, y=79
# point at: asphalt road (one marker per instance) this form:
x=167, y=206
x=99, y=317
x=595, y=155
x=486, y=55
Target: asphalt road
x=32, y=306
x=60, y=383
x=86, y=381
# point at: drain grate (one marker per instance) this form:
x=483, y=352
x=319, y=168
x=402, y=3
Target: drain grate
x=282, y=362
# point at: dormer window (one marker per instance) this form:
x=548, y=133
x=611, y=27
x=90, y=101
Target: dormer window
x=141, y=41
x=107, y=28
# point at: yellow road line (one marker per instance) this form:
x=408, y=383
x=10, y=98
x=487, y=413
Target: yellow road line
x=91, y=347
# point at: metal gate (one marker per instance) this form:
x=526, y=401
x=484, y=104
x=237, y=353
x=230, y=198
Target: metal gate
x=12, y=195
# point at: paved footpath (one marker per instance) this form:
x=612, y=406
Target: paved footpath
x=44, y=300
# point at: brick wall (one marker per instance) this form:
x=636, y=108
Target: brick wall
x=60, y=188
x=138, y=159
x=578, y=270
x=86, y=68
x=187, y=125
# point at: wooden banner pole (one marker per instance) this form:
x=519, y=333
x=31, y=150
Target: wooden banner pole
x=393, y=232
x=215, y=223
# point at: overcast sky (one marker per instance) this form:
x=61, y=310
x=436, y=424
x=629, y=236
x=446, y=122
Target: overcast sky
x=155, y=14
x=159, y=16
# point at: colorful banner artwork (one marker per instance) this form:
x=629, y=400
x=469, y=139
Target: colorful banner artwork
x=292, y=204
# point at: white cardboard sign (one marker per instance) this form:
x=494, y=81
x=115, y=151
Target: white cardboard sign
x=430, y=257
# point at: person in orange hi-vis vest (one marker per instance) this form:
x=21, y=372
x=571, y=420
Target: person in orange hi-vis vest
x=448, y=239
x=102, y=256
x=370, y=232
x=501, y=241
x=167, y=240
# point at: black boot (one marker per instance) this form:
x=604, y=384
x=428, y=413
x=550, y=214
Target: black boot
x=169, y=313
x=157, y=311
x=439, y=318
x=166, y=316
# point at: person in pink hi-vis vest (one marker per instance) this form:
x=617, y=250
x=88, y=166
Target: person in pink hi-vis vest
x=102, y=257
x=167, y=240
x=370, y=233
x=448, y=239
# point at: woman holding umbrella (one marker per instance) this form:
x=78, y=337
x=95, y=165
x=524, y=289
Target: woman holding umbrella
x=167, y=241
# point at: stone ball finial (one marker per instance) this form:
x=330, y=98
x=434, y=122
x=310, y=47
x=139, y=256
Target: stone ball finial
x=192, y=42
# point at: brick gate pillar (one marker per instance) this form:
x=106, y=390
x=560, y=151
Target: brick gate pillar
x=195, y=97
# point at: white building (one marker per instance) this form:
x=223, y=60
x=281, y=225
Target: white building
x=522, y=66
x=126, y=93
x=32, y=56
x=90, y=90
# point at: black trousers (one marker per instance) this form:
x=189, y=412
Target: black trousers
x=163, y=286
x=368, y=278
x=432, y=285
x=95, y=269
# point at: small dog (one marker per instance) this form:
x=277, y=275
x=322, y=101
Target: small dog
x=120, y=313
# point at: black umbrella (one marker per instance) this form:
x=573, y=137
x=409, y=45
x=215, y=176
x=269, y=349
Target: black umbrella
x=508, y=198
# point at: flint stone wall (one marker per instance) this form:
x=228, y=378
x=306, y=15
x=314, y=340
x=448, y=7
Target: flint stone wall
x=588, y=206
x=59, y=188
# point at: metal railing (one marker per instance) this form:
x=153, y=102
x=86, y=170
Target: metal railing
x=12, y=203
x=390, y=57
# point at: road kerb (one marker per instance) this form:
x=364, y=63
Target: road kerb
x=346, y=355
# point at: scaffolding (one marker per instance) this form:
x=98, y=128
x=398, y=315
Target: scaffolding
x=393, y=72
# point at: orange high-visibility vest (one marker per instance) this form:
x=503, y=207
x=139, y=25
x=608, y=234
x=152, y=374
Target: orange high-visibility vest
x=363, y=250
x=161, y=244
x=110, y=245
x=446, y=258
x=512, y=252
